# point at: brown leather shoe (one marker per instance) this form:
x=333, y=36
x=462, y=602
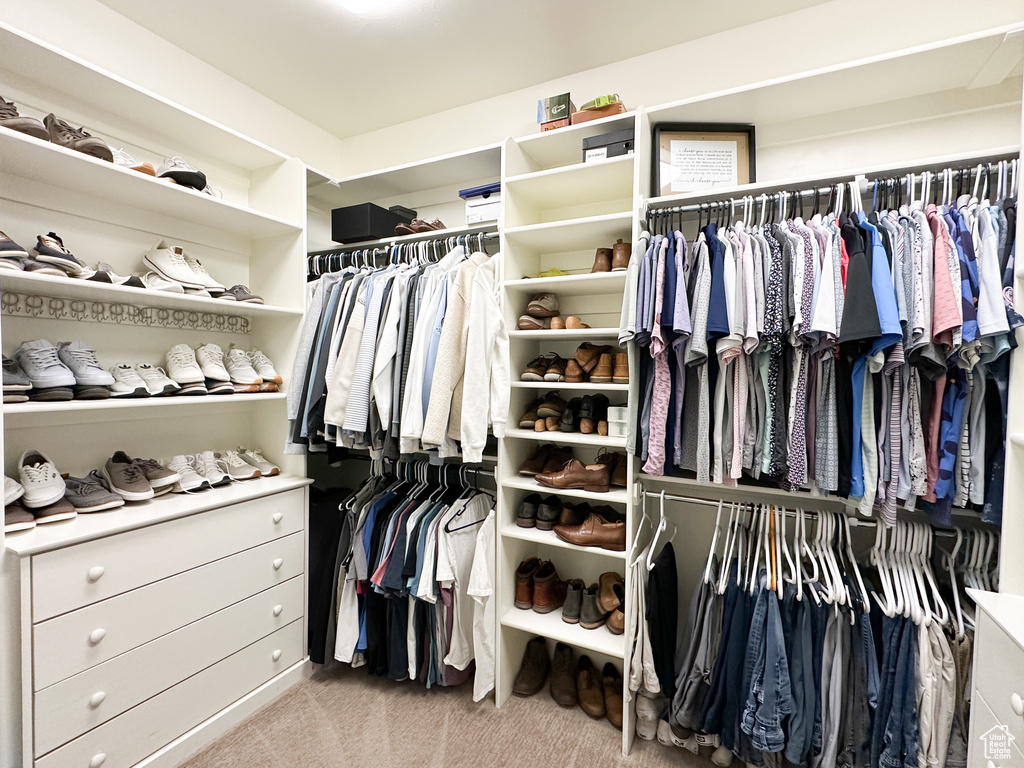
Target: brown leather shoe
x=538, y=462
x=602, y=373
x=555, y=371
x=563, y=677
x=524, y=582
x=573, y=373
x=548, y=590
x=551, y=405
x=573, y=323
x=574, y=514
x=590, y=688
x=617, y=621
x=620, y=374
x=620, y=261
x=534, y=669
x=595, y=531
x=529, y=417
x=602, y=260
x=543, y=305
x=617, y=465
x=557, y=324
x=577, y=475
x=612, y=682
x=537, y=367
x=410, y=228
x=587, y=355
x=606, y=596
x=528, y=323
x=558, y=458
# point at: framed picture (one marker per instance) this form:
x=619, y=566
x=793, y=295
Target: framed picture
x=693, y=156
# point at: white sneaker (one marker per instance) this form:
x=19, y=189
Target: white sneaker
x=43, y=483
x=240, y=368
x=81, y=359
x=204, y=277
x=235, y=466
x=157, y=381
x=155, y=282
x=182, y=365
x=181, y=172
x=132, y=281
x=722, y=757
x=39, y=360
x=261, y=363
x=13, y=490
x=127, y=382
x=198, y=292
x=125, y=160
x=205, y=464
x=169, y=262
x=211, y=361
x=188, y=479
x=255, y=457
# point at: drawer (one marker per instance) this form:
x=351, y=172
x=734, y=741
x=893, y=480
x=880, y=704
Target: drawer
x=91, y=698
x=70, y=578
x=990, y=751
x=69, y=644
x=129, y=738
x=999, y=673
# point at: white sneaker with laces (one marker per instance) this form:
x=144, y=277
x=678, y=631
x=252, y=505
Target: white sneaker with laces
x=240, y=368
x=41, y=480
x=182, y=365
x=211, y=361
x=255, y=457
x=39, y=360
x=168, y=261
x=124, y=160
x=207, y=280
x=235, y=466
x=127, y=382
x=205, y=463
x=155, y=282
x=188, y=479
x=13, y=490
x=81, y=359
x=183, y=173
x=262, y=365
x=157, y=381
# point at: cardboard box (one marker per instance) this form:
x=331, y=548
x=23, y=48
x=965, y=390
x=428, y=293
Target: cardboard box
x=554, y=108
x=615, y=108
x=553, y=124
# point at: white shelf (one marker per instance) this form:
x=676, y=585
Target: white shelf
x=33, y=158
x=560, y=385
x=550, y=625
x=549, y=149
x=72, y=288
x=587, y=284
x=15, y=411
x=549, y=539
x=573, y=234
x=569, y=438
x=486, y=226
x=576, y=333
x=575, y=185
x=134, y=515
x=614, y=496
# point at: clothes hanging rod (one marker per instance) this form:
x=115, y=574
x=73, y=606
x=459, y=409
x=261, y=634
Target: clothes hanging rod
x=385, y=246
x=486, y=472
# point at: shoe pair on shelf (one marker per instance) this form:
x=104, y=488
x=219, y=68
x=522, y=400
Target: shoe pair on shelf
x=587, y=414
x=208, y=469
x=69, y=370
x=419, y=226
x=539, y=587
x=53, y=129
x=581, y=524
x=49, y=257
x=591, y=363
x=614, y=259
x=543, y=313
x=207, y=368
x=182, y=272
x=572, y=682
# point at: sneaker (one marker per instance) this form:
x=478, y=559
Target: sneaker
x=95, y=276
x=255, y=457
x=9, y=118
x=155, y=282
x=207, y=280
x=124, y=160
x=182, y=173
x=127, y=382
x=38, y=359
x=205, y=464
x=86, y=495
x=89, y=392
x=188, y=479
x=50, y=249
x=235, y=466
x=15, y=379
x=131, y=281
x=34, y=267
x=242, y=293
x=241, y=389
x=169, y=262
x=156, y=379
x=198, y=292
x=41, y=480
x=14, y=263
x=182, y=365
x=18, y=518
x=62, y=509
x=262, y=365
x=215, y=387
x=51, y=395
x=157, y=474
x=211, y=361
x=240, y=369
x=126, y=479
x=81, y=359
x=189, y=390
x=268, y=386
x=13, y=490
x=212, y=191
x=62, y=134
x=11, y=250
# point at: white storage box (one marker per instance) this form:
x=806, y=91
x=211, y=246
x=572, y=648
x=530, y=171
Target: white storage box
x=616, y=429
x=485, y=207
x=618, y=413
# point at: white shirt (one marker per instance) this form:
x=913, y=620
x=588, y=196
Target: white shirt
x=481, y=588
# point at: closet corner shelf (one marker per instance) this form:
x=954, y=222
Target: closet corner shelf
x=549, y=149
x=585, y=284
x=39, y=160
x=561, y=385
x=572, y=234
x=17, y=411
x=569, y=438
x=71, y=288
x=548, y=538
x=574, y=185
x=140, y=515
x=550, y=625
x=582, y=334
x=614, y=496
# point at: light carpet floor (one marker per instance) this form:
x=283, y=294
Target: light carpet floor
x=345, y=717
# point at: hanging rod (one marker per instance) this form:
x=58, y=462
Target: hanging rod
x=385, y=245
x=486, y=472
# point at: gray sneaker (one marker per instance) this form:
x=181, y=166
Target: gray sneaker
x=126, y=478
x=232, y=463
x=86, y=495
x=255, y=457
x=50, y=249
x=15, y=379
x=156, y=473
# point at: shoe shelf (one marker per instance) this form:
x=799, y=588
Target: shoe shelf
x=569, y=438
x=559, y=386
x=574, y=185
x=548, y=538
x=580, y=334
x=550, y=625
x=572, y=234
x=614, y=496
x=15, y=412
x=586, y=284
x=132, y=515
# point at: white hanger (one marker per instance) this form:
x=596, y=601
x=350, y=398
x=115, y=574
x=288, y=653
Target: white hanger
x=663, y=524
x=856, y=568
x=876, y=557
x=950, y=559
x=636, y=548
x=764, y=211
x=714, y=543
x=783, y=547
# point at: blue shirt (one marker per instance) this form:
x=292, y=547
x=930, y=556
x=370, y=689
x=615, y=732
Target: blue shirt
x=718, y=314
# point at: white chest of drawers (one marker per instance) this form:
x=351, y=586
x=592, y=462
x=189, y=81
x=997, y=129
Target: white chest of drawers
x=149, y=630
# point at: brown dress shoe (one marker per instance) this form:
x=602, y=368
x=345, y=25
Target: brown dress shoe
x=528, y=323
x=563, y=678
x=557, y=324
x=574, y=514
x=558, y=458
x=538, y=462
x=612, y=682
x=573, y=323
x=587, y=355
x=602, y=260
x=606, y=596
x=595, y=531
x=617, y=465
x=529, y=417
x=534, y=669
x=602, y=373
x=555, y=371
x=536, y=368
x=577, y=475
x=573, y=373
x=548, y=590
x=617, y=621
x=590, y=688
x=551, y=405
x=543, y=305
x=524, y=582
x=620, y=375
x=620, y=256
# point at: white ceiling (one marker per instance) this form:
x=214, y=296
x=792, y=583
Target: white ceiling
x=351, y=73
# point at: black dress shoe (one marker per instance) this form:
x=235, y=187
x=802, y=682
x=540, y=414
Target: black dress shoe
x=569, y=421
x=526, y=512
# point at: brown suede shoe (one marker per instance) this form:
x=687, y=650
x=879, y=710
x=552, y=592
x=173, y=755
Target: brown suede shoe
x=548, y=590
x=620, y=261
x=558, y=458
x=543, y=305
x=602, y=373
x=606, y=596
x=587, y=355
x=557, y=324
x=552, y=405
x=590, y=688
x=620, y=374
x=555, y=371
x=612, y=683
x=573, y=373
x=528, y=323
x=525, y=583
x=529, y=417
x=537, y=367
x=563, y=677
x=602, y=260
x=617, y=621
x=594, y=532
x=534, y=669
x=538, y=462
x=573, y=323
x=577, y=475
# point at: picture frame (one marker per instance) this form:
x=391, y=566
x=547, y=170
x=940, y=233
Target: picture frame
x=689, y=157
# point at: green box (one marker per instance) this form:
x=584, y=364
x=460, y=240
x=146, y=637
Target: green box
x=554, y=108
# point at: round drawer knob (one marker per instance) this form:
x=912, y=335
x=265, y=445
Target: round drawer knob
x=97, y=698
x=1017, y=704
x=278, y=563
x=96, y=572
x=278, y=517
x=98, y=760
x=278, y=609
x=96, y=635
x=276, y=655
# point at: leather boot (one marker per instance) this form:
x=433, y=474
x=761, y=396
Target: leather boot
x=549, y=510
x=606, y=596
x=573, y=373
x=534, y=669
x=620, y=374
x=602, y=373
x=524, y=582
x=591, y=615
x=563, y=681
x=612, y=682
x=590, y=688
x=573, y=601
x=548, y=590
x=620, y=256
x=602, y=260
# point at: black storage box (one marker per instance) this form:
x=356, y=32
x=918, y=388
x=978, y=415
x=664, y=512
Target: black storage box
x=366, y=221
x=608, y=145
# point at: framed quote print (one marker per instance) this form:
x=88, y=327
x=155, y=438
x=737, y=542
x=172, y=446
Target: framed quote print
x=689, y=157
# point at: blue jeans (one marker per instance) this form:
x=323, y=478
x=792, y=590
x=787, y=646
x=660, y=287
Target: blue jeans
x=776, y=699
x=800, y=724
